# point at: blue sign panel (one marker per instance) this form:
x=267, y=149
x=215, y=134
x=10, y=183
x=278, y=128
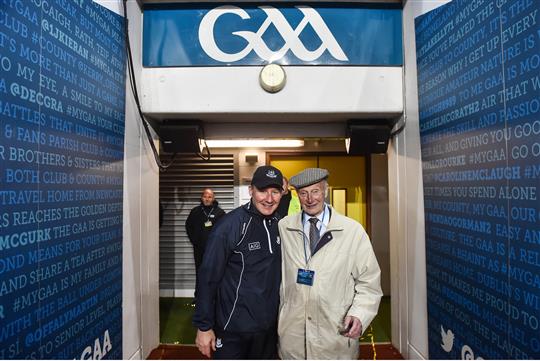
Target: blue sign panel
x=62, y=100
x=213, y=35
x=479, y=95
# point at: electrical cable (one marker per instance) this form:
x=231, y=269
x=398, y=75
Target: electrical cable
x=133, y=84
x=400, y=129
x=209, y=156
x=131, y=72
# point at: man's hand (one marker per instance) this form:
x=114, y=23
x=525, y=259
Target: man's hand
x=354, y=326
x=206, y=342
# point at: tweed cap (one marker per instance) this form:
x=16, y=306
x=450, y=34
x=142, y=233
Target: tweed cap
x=308, y=177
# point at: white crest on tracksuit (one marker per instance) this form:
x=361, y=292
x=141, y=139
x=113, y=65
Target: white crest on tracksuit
x=257, y=44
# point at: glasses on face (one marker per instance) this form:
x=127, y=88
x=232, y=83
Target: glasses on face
x=314, y=193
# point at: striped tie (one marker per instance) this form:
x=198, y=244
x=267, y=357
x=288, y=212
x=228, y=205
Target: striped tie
x=313, y=233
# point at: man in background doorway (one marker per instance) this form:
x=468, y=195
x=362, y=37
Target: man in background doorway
x=330, y=289
x=199, y=223
x=237, y=306
x=289, y=203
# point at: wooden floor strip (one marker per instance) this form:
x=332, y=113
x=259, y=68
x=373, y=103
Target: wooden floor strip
x=182, y=352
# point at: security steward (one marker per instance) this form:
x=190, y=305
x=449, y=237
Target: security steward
x=239, y=279
x=199, y=223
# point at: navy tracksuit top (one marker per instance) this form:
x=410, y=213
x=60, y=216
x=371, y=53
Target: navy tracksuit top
x=240, y=275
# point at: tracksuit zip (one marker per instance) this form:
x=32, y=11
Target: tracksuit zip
x=268, y=236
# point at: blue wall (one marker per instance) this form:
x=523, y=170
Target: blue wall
x=62, y=99
x=479, y=94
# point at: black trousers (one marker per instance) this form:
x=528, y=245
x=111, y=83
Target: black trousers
x=198, y=253
x=246, y=345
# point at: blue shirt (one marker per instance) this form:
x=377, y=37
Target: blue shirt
x=324, y=218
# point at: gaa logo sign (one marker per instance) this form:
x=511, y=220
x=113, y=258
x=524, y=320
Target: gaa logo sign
x=255, y=41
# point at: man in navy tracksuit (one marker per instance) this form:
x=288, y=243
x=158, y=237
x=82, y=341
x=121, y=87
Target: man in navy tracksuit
x=238, y=292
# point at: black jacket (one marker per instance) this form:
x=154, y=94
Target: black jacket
x=283, y=208
x=196, y=230
x=240, y=275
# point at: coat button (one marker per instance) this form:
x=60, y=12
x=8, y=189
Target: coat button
x=309, y=318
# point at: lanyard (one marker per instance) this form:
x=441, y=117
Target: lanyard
x=306, y=241
x=209, y=214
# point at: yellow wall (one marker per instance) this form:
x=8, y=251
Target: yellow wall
x=345, y=172
x=291, y=165
x=350, y=173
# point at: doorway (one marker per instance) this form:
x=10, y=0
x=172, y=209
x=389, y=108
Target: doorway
x=357, y=184
x=342, y=181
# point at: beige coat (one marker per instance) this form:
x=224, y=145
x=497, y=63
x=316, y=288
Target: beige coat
x=346, y=283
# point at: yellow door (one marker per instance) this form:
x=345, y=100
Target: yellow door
x=346, y=173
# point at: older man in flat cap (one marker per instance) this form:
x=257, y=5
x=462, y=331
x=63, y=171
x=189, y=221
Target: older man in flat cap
x=330, y=288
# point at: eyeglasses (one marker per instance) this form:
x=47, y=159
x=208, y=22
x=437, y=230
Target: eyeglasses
x=315, y=193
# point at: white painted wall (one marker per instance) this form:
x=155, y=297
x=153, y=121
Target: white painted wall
x=406, y=204
x=217, y=93
x=140, y=301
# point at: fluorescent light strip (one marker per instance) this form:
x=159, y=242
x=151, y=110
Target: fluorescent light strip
x=255, y=143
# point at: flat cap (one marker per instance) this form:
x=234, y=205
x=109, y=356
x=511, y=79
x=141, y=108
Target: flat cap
x=308, y=177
